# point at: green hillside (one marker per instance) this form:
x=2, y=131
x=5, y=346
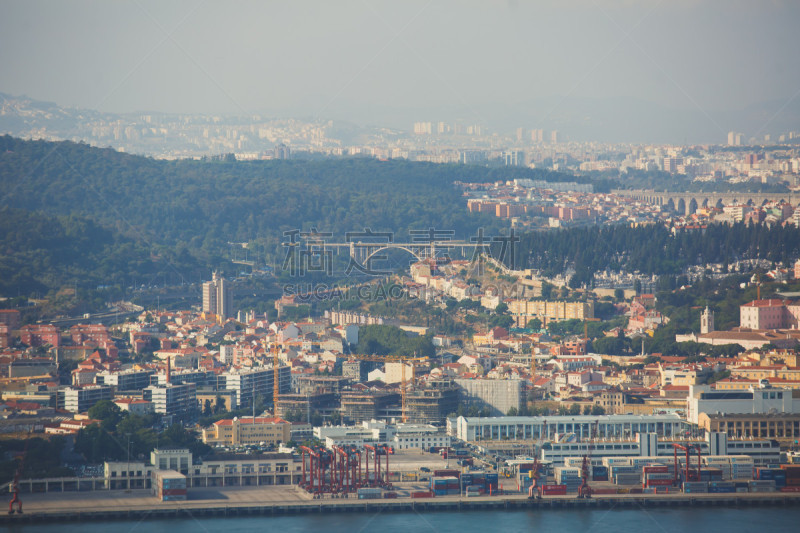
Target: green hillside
x=83, y=216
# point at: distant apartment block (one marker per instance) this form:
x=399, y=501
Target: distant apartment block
x=40, y=335
x=11, y=318
x=523, y=311
x=81, y=399
x=218, y=297
x=769, y=314
x=498, y=394
x=171, y=399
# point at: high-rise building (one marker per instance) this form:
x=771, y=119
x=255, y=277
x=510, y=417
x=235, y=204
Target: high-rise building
x=171, y=398
x=256, y=383
x=218, y=297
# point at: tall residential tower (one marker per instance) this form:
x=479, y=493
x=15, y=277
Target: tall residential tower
x=218, y=297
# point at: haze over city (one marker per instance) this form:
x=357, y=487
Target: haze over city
x=605, y=70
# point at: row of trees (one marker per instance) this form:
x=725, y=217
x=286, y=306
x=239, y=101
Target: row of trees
x=121, y=434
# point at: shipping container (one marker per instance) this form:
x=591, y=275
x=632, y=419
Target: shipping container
x=696, y=487
x=553, y=490
x=657, y=482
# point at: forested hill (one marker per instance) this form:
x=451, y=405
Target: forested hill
x=652, y=249
x=181, y=215
x=204, y=203
x=40, y=253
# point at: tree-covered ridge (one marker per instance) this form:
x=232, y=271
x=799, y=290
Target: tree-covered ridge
x=652, y=249
x=39, y=252
x=205, y=204
x=80, y=216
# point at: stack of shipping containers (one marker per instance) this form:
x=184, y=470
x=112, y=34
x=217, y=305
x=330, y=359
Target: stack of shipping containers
x=445, y=486
x=568, y=476
x=366, y=493
x=170, y=485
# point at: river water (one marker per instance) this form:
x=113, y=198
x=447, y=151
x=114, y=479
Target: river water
x=706, y=520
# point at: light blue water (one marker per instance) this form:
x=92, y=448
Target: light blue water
x=706, y=520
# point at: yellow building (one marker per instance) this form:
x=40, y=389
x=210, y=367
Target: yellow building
x=783, y=427
x=766, y=372
x=524, y=311
x=248, y=430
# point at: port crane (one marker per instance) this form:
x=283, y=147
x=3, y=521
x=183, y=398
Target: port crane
x=15, y=499
x=533, y=491
x=379, y=479
x=689, y=474
x=585, y=490
x=317, y=480
x=347, y=469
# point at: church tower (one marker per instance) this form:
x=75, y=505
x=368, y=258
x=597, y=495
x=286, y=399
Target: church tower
x=707, y=321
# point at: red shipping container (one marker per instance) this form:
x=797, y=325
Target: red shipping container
x=659, y=482
x=422, y=494
x=790, y=489
x=656, y=470
x=173, y=492
x=446, y=473
x=389, y=495
x=554, y=490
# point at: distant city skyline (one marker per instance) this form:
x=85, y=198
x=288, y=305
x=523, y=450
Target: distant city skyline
x=610, y=70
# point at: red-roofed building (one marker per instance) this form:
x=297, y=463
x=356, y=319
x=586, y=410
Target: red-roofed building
x=769, y=314
x=83, y=332
x=40, y=335
x=11, y=318
x=135, y=406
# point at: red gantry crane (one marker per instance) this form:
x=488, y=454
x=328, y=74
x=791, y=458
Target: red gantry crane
x=585, y=490
x=347, y=468
x=15, y=499
x=689, y=474
x=379, y=479
x=317, y=479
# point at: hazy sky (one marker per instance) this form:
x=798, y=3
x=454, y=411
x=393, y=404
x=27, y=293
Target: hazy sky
x=375, y=60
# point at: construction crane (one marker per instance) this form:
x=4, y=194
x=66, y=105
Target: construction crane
x=276, y=382
x=404, y=385
x=585, y=490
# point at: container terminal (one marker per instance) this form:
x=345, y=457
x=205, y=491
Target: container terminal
x=356, y=479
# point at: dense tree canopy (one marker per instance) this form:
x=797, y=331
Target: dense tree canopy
x=652, y=249
x=391, y=340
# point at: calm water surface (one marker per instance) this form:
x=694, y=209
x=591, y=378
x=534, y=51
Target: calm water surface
x=760, y=520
